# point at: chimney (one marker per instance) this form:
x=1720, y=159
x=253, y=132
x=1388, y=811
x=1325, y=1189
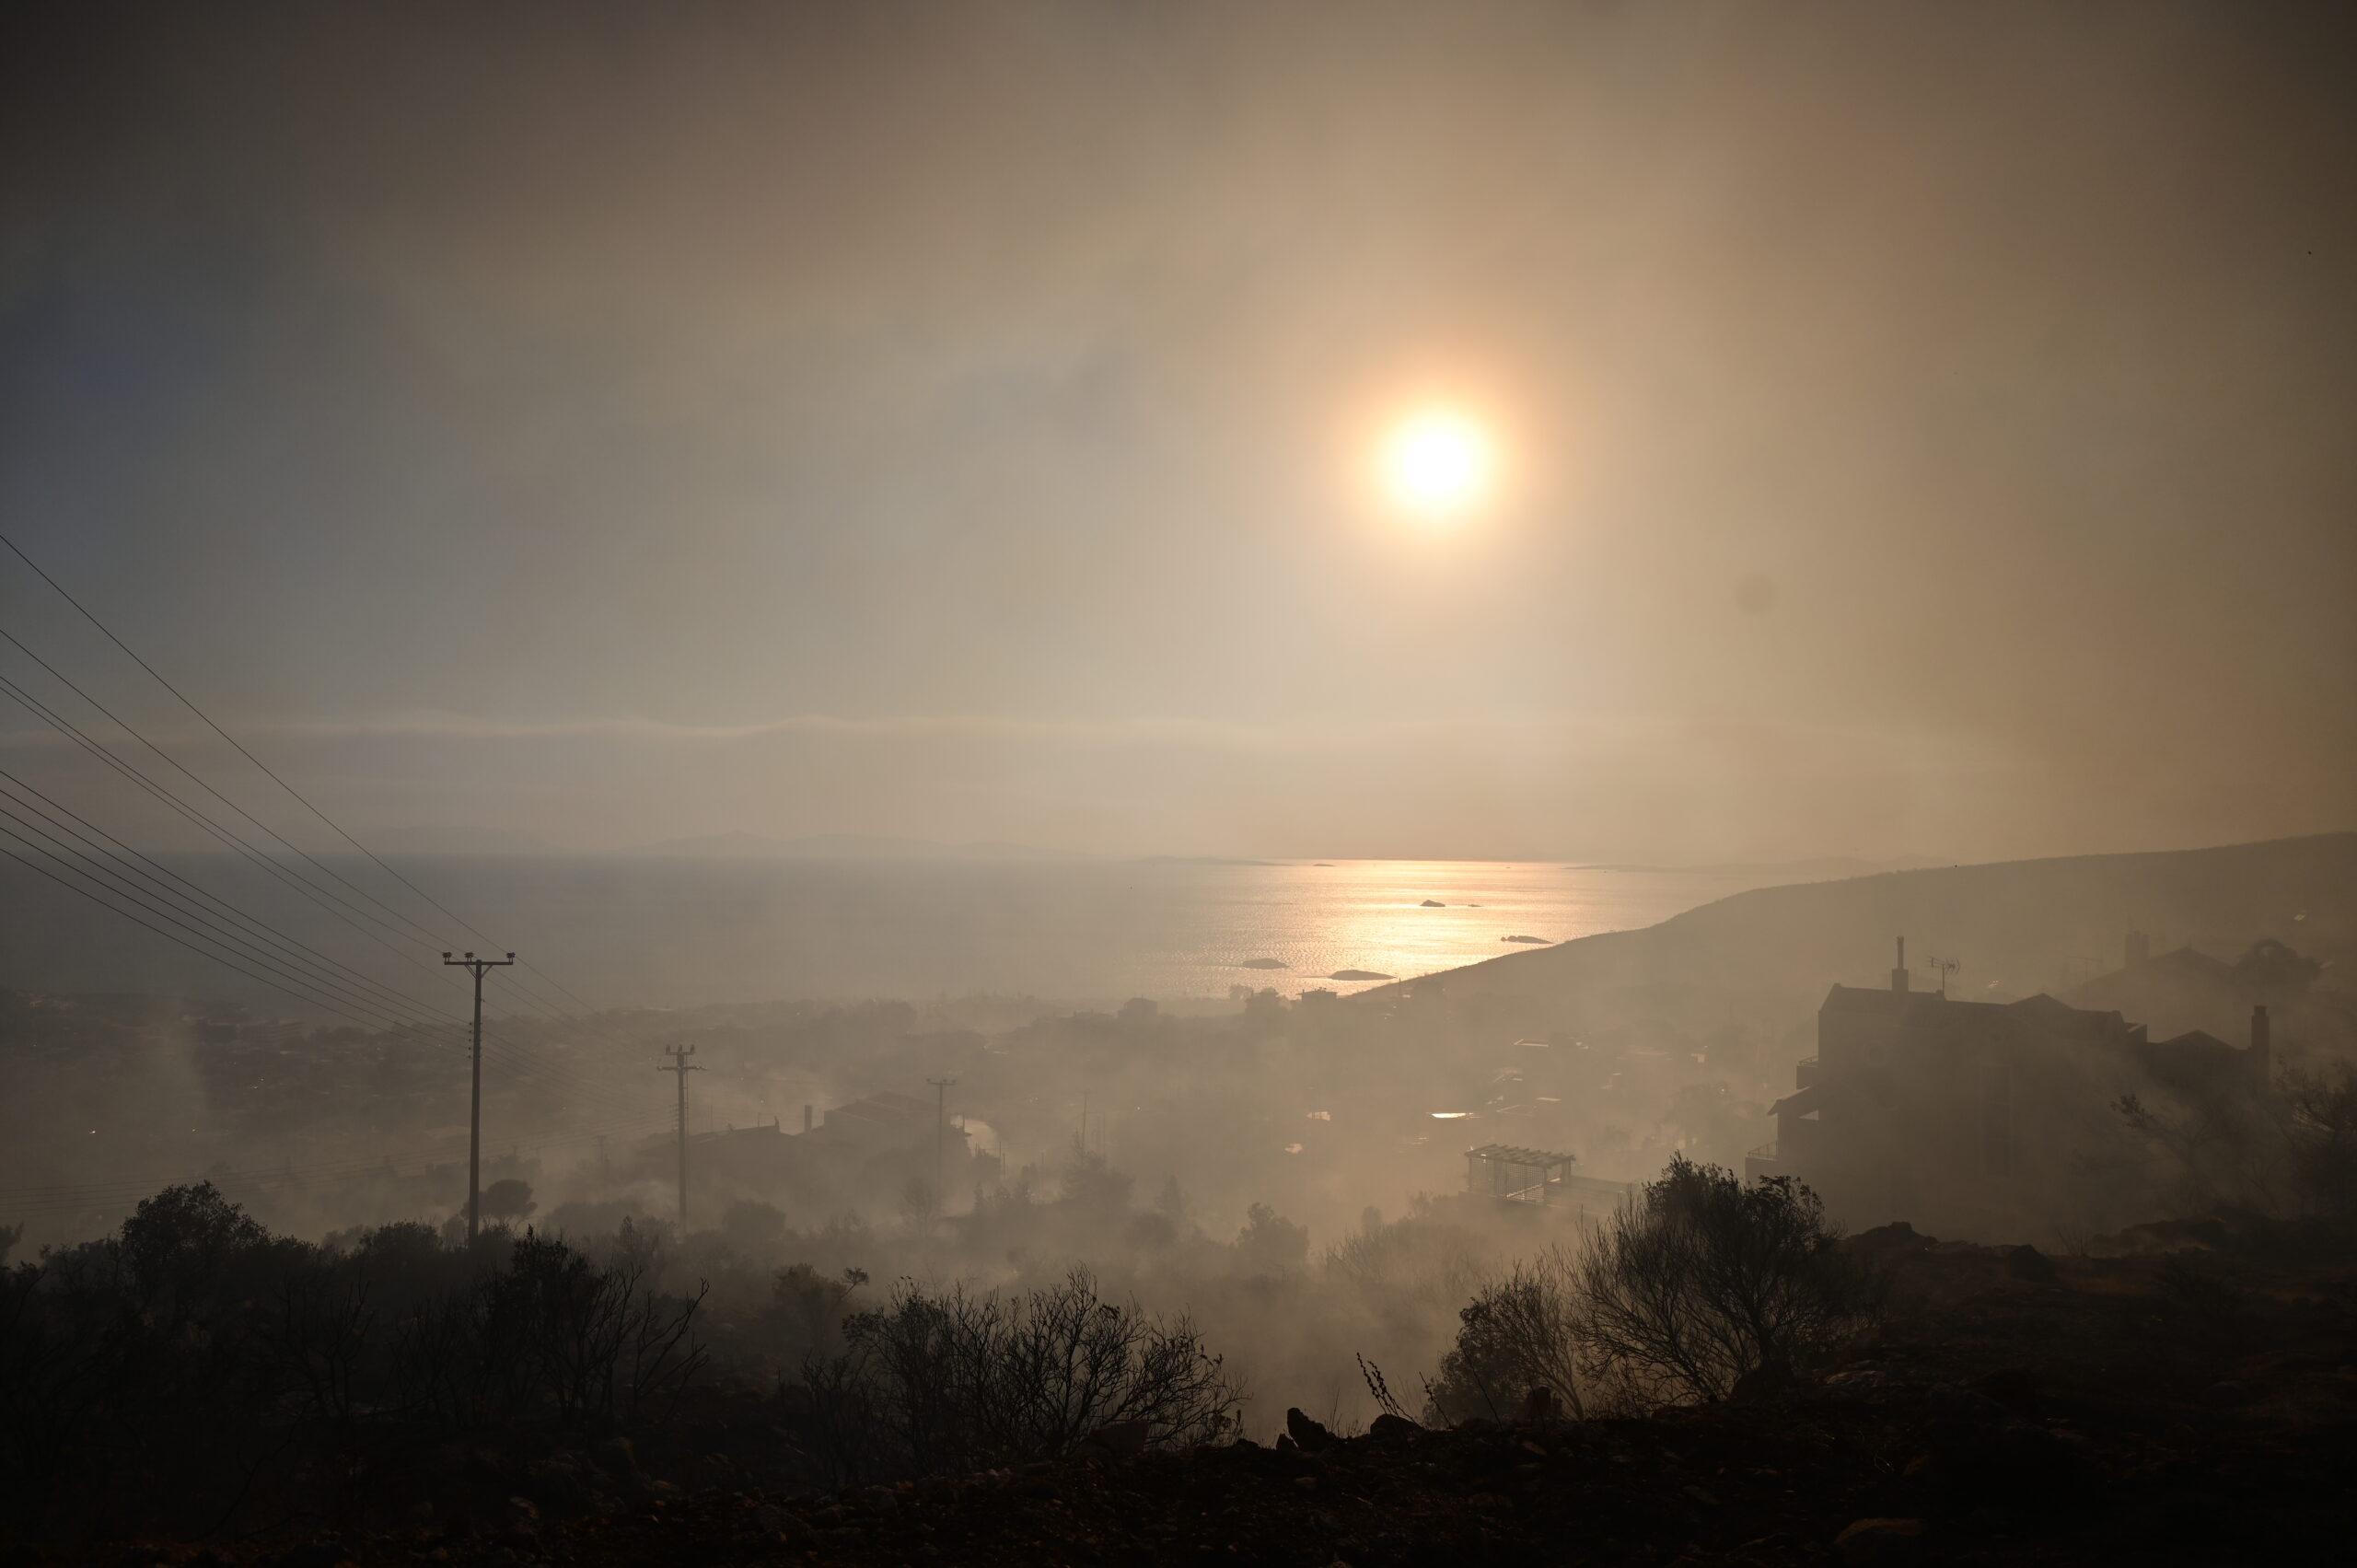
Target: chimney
x=2262, y=1044
x=2140, y=949
x=806, y=1118
x=1899, y=974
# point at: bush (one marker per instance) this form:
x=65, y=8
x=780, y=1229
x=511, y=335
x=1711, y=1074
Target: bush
x=195, y=1371
x=1270, y=1243
x=946, y=1383
x=1707, y=1282
x=1518, y=1332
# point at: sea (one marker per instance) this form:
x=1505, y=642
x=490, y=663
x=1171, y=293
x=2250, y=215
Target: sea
x=642, y=931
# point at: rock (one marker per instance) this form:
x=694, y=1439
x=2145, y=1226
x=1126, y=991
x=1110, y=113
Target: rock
x=2025, y=1463
x=2028, y=1264
x=1122, y=1439
x=1431, y=904
x=1894, y=1239
x=1390, y=1428
x=1879, y=1540
x=1772, y=1378
x=519, y=1528
x=558, y=1488
x=1308, y=1434
x=325, y=1552
x=1952, y=1403
x=2016, y=1388
x=1860, y=1383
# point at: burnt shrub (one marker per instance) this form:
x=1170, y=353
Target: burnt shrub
x=1521, y=1330
x=943, y=1382
x=1705, y=1282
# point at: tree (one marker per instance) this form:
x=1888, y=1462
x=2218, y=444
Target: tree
x=1171, y=1204
x=2271, y=968
x=1706, y=1282
x=920, y=1205
x=184, y=1237
x=1270, y=1243
x=508, y=1201
x=1090, y=1182
x=2284, y=1152
x=752, y=1227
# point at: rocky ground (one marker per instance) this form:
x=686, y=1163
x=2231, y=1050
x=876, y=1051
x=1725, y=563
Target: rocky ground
x=2018, y=1410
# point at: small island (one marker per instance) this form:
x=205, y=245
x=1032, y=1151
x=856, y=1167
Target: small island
x=1535, y=941
x=1431, y=904
x=1264, y=964
x=1358, y=974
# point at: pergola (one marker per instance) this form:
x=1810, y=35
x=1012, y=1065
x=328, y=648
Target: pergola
x=1513, y=1173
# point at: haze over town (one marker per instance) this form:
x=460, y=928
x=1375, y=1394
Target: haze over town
x=1386, y=783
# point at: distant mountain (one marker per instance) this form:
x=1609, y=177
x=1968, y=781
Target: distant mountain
x=2014, y=929
x=463, y=839
x=834, y=847
x=1823, y=869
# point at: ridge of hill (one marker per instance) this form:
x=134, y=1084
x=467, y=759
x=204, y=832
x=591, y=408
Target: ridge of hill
x=2014, y=927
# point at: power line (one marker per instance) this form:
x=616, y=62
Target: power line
x=221, y=832
x=55, y=674
x=229, y=836
x=226, y=835
x=334, y=998
x=56, y=1198
x=56, y=808
x=508, y=1053
x=268, y=771
x=245, y=946
x=311, y=1001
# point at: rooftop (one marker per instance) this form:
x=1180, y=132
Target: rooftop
x=1512, y=1154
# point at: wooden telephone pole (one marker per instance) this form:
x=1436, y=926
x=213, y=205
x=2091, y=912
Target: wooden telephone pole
x=680, y=1065
x=474, y=1118
x=940, y=1139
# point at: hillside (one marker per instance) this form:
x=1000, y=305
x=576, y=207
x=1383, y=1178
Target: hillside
x=2014, y=928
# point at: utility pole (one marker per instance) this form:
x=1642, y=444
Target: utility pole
x=940, y=1139
x=474, y=1120
x=680, y=1065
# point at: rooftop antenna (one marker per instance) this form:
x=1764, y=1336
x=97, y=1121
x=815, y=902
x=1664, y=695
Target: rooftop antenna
x=1944, y=968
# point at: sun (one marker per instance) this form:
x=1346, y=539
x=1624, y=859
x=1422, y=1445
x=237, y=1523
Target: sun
x=1438, y=463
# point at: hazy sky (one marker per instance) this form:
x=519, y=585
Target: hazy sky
x=1925, y=428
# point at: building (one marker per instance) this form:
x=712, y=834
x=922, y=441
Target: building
x=1516, y=1175
x=1973, y=1118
